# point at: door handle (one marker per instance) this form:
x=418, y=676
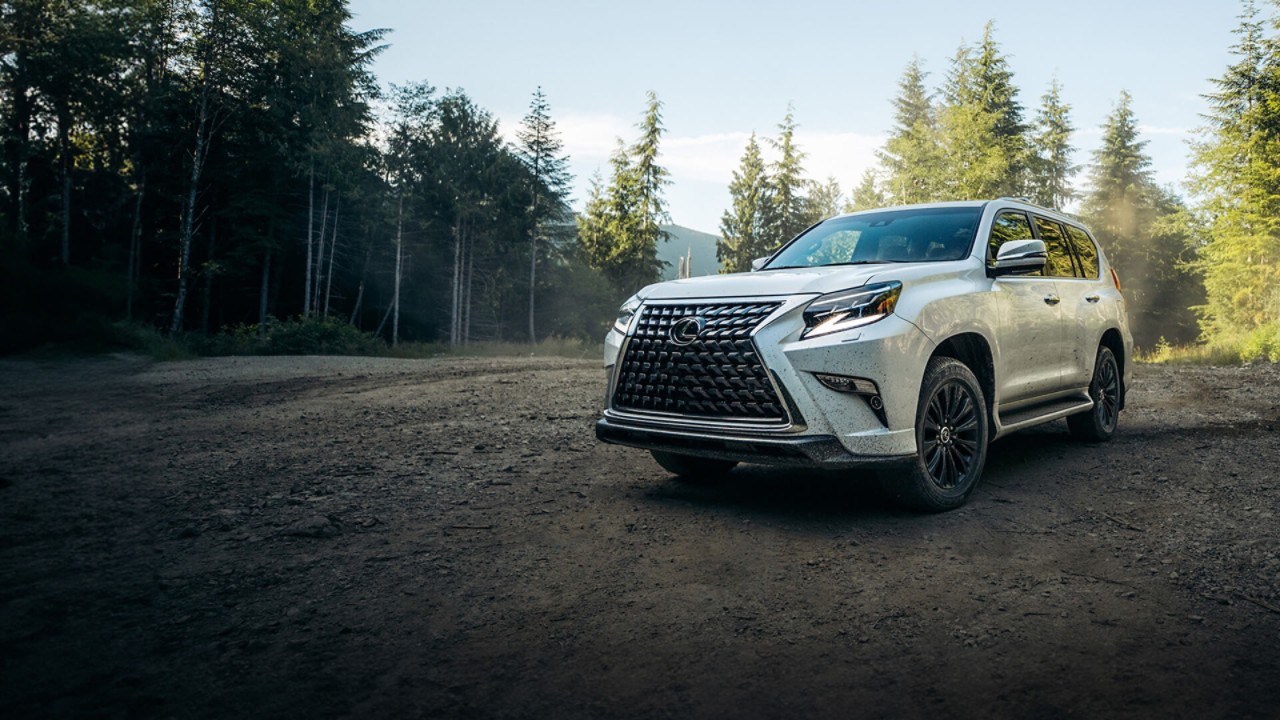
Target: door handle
x=1093, y=298
x=1052, y=299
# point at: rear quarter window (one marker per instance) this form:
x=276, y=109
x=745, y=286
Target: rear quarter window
x=1086, y=251
x=1055, y=242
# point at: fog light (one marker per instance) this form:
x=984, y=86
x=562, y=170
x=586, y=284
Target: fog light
x=857, y=386
x=842, y=383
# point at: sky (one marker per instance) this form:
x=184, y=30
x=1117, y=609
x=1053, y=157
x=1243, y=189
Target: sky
x=726, y=69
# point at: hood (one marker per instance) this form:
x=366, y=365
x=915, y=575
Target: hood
x=800, y=281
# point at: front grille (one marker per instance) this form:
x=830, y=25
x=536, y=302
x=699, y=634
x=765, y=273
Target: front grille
x=718, y=376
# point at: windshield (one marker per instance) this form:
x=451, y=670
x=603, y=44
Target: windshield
x=890, y=236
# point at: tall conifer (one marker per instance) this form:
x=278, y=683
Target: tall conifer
x=746, y=228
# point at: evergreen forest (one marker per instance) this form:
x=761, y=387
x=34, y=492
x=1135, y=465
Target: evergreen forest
x=209, y=169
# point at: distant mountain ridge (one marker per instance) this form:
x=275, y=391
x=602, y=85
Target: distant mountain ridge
x=700, y=246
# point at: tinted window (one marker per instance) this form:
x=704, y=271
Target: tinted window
x=1007, y=226
x=903, y=236
x=1086, y=251
x=1055, y=242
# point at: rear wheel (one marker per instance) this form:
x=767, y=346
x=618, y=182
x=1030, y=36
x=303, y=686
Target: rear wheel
x=951, y=440
x=1099, y=424
x=692, y=469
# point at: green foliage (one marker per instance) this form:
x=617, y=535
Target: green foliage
x=622, y=224
x=747, y=228
x=790, y=213
x=1262, y=344
x=297, y=336
x=911, y=157
x=1050, y=171
x=867, y=195
x=550, y=346
x=1145, y=231
x=980, y=129
x=1217, y=353
x=1237, y=179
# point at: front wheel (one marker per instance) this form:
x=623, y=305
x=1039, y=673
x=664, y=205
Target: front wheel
x=951, y=440
x=1099, y=424
x=690, y=469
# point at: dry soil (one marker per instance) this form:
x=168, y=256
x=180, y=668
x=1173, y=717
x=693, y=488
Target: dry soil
x=347, y=537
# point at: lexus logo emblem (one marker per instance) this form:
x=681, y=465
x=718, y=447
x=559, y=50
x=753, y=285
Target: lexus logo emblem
x=686, y=330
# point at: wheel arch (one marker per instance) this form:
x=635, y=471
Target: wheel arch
x=974, y=351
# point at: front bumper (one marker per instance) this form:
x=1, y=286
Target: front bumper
x=890, y=353
x=820, y=451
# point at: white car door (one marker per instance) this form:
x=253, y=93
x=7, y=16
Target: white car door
x=1030, y=333
x=1093, y=301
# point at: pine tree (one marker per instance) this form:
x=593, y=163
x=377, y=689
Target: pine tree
x=542, y=154
x=1237, y=175
x=1125, y=208
x=981, y=130
x=823, y=200
x=867, y=195
x=622, y=224
x=1051, y=170
x=787, y=175
x=911, y=156
x=650, y=177
x=746, y=227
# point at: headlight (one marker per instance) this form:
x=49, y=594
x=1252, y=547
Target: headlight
x=850, y=308
x=626, y=314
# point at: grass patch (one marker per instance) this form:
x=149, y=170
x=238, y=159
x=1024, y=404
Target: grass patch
x=297, y=336
x=550, y=347
x=1261, y=345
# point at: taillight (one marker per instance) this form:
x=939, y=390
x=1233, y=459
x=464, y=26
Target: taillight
x=1116, y=279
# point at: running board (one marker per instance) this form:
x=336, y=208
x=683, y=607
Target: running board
x=1025, y=417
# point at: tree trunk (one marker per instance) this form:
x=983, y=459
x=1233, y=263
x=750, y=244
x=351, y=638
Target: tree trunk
x=385, y=316
x=189, y=205
x=311, y=216
x=64, y=150
x=135, y=246
x=265, y=291
x=466, y=307
x=533, y=277
x=457, y=283
x=208, y=276
x=364, y=269
x=333, y=243
x=318, y=272
x=395, y=324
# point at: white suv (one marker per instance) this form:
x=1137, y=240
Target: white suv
x=903, y=339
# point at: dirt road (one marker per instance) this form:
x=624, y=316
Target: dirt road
x=342, y=537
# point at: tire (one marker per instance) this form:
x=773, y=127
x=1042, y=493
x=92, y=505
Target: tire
x=1099, y=424
x=688, y=468
x=952, y=430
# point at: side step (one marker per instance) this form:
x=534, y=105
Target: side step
x=1025, y=417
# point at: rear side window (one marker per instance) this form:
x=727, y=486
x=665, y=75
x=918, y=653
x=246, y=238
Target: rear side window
x=1055, y=242
x=1086, y=252
x=1006, y=227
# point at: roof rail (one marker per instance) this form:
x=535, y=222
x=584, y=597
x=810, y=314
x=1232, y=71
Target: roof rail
x=1029, y=201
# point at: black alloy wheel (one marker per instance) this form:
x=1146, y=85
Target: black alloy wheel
x=951, y=435
x=951, y=431
x=1099, y=423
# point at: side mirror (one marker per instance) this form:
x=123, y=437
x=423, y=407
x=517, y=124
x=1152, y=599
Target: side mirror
x=758, y=263
x=1019, y=257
